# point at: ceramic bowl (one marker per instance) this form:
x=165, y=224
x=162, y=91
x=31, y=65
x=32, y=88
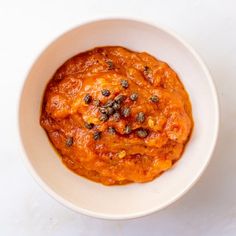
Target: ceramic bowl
x=132, y=200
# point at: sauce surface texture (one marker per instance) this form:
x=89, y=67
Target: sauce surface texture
x=116, y=116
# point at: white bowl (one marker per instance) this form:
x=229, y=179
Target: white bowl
x=132, y=200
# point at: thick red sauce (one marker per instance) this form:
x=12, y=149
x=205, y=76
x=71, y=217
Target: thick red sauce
x=116, y=116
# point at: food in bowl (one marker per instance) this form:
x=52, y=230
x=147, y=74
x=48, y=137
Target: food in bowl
x=117, y=116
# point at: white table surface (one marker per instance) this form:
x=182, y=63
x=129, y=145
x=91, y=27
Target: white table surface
x=27, y=26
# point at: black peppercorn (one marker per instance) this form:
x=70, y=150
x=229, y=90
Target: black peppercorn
x=116, y=106
x=154, y=98
x=142, y=133
x=116, y=116
x=105, y=92
x=119, y=98
x=134, y=96
x=126, y=111
x=140, y=117
x=87, y=98
x=89, y=125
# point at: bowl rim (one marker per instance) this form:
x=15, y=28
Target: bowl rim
x=106, y=216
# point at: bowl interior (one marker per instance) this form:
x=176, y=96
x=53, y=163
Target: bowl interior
x=134, y=199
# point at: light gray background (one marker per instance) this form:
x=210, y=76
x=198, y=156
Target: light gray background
x=27, y=26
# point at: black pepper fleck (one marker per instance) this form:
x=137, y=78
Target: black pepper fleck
x=148, y=74
x=111, y=130
x=89, y=125
x=110, y=65
x=97, y=135
x=69, y=141
x=105, y=92
x=87, y=98
x=146, y=68
x=124, y=84
x=127, y=129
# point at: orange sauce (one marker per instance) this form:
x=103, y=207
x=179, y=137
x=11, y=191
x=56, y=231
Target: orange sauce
x=116, y=116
